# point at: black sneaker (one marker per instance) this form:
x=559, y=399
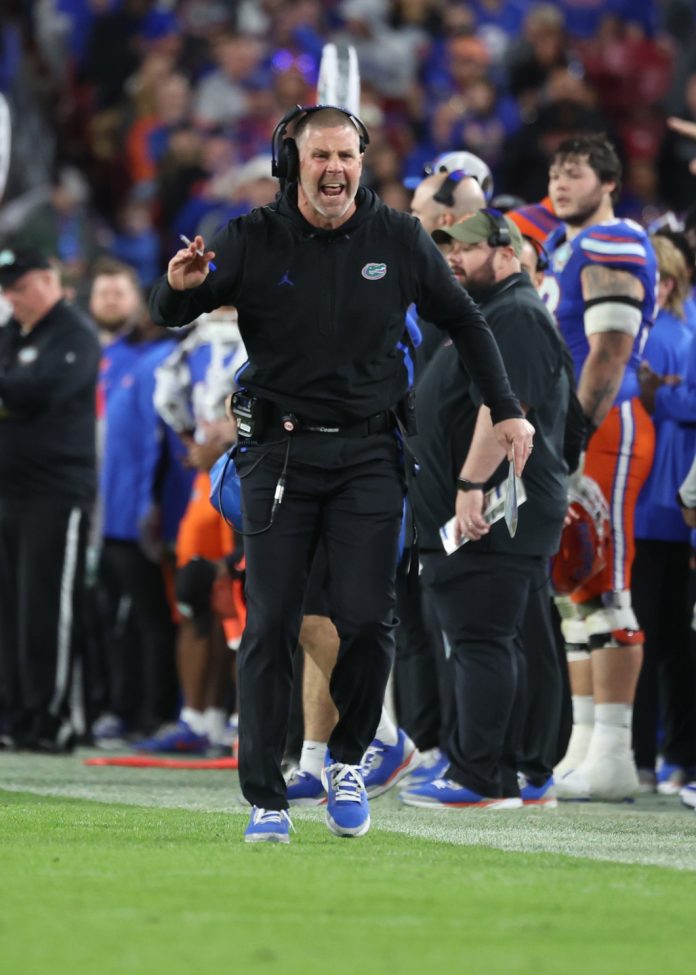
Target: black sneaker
x=63, y=743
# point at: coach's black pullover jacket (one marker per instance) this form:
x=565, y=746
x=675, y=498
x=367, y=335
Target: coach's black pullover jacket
x=321, y=311
x=48, y=380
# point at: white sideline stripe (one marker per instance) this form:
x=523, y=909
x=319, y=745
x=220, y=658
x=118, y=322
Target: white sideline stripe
x=65, y=614
x=596, y=831
x=619, y=489
x=617, y=248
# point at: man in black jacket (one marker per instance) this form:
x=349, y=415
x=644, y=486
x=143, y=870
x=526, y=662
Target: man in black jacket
x=49, y=358
x=483, y=590
x=322, y=279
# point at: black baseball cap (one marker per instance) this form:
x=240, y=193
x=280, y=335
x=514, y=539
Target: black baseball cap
x=16, y=261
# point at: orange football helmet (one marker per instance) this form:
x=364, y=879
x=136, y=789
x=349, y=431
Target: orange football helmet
x=582, y=552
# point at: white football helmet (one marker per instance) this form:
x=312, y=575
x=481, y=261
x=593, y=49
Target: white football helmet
x=468, y=163
x=462, y=161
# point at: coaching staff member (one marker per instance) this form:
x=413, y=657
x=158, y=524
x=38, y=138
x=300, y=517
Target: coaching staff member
x=322, y=279
x=483, y=590
x=49, y=358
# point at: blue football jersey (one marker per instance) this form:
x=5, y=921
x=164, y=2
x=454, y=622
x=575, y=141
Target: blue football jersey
x=619, y=244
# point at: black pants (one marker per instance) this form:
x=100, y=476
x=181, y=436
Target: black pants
x=544, y=694
x=667, y=683
x=348, y=492
x=42, y=566
x=142, y=679
x=481, y=598
x=422, y=673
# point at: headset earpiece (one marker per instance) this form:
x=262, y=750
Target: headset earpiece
x=445, y=194
x=543, y=259
x=288, y=165
x=279, y=163
x=500, y=236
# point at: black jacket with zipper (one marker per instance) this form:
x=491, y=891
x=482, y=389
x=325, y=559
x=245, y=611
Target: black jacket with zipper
x=321, y=311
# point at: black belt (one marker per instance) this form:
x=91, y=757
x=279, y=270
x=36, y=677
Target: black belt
x=286, y=420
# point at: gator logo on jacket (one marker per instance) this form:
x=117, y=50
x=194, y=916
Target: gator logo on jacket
x=373, y=272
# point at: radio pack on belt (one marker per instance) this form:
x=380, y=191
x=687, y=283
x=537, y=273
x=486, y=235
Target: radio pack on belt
x=250, y=413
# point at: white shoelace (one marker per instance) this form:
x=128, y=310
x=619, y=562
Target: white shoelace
x=370, y=759
x=268, y=816
x=347, y=782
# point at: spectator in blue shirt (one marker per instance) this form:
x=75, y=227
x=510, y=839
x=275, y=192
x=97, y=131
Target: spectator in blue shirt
x=661, y=568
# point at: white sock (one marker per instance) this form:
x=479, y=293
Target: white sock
x=312, y=757
x=216, y=724
x=614, y=715
x=387, y=731
x=195, y=720
x=583, y=710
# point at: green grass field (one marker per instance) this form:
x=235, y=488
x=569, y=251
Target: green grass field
x=111, y=870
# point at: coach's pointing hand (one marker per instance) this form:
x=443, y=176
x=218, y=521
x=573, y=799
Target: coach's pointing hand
x=189, y=266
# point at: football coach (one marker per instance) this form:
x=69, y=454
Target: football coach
x=322, y=279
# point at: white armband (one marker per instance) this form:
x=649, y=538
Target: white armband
x=614, y=313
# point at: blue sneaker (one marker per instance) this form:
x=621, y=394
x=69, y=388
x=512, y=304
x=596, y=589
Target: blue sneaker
x=174, y=739
x=535, y=796
x=109, y=731
x=688, y=795
x=448, y=794
x=384, y=765
x=671, y=778
x=268, y=826
x=347, y=811
x=433, y=765
x=305, y=789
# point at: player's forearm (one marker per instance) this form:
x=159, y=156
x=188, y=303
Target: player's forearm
x=599, y=383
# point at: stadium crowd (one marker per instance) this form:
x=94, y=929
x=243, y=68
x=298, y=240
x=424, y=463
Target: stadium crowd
x=154, y=120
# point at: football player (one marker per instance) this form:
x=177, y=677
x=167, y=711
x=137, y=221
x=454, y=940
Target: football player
x=601, y=287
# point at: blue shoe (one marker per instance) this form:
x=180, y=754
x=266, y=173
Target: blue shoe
x=433, y=765
x=671, y=778
x=174, y=739
x=448, y=794
x=305, y=789
x=688, y=795
x=384, y=765
x=534, y=796
x=347, y=811
x=268, y=826
x=109, y=731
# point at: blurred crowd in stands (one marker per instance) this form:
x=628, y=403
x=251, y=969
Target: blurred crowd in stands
x=137, y=120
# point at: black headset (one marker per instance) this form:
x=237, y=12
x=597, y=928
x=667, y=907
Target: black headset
x=543, y=259
x=500, y=235
x=286, y=158
x=445, y=194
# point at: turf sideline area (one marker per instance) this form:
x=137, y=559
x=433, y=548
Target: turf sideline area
x=655, y=830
